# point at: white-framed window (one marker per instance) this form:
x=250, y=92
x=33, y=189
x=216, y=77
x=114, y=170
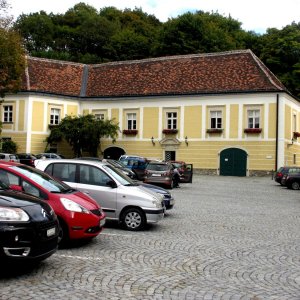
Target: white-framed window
x=99, y=116
x=216, y=119
x=7, y=113
x=131, y=121
x=54, y=116
x=171, y=120
x=253, y=118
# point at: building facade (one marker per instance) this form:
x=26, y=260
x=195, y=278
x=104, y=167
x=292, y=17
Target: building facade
x=225, y=113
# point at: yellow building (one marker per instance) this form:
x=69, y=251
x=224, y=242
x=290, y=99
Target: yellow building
x=225, y=113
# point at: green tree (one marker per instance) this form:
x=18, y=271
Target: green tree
x=12, y=55
x=281, y=53
x=9, y=147
x=83, y=133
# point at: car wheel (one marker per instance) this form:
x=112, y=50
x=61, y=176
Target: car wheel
x=133, y=219
x=295, y=185
x=63, y=235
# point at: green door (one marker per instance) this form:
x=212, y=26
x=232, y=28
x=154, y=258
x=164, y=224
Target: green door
x=233, y=162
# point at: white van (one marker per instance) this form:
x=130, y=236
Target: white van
x=120, y=198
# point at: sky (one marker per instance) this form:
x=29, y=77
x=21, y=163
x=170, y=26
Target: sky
x=255, y=15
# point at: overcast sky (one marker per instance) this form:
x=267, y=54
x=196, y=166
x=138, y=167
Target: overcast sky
x=256, y=15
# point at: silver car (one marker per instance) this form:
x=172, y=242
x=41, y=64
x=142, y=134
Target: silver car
x=9, y=157
x=120, y=198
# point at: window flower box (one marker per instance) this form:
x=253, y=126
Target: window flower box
x=296, y=135
x=214, y=130
x=170, y=131
x=252, y=130
x=130, y=131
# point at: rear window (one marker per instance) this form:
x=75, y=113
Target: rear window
x=157, y=167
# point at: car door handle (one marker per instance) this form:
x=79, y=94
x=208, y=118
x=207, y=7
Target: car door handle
x=86, y=192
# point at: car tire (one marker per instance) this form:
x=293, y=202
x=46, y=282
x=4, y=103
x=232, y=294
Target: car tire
x=133, y=219
x=295, y=185
x=63, y=236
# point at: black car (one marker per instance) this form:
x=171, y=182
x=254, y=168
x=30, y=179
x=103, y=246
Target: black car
x=292, y=179
x=28, y=227
x=26, y=159
x=282, y=171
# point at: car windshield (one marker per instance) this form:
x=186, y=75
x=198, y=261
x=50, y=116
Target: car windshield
x=115, y=163
x=43, y=179
x=157, y=167
x=119, y=176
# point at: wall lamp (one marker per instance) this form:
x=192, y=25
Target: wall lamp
x=152, y=141
x=186, y=141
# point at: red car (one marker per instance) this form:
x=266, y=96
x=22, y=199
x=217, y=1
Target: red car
x=79, y=215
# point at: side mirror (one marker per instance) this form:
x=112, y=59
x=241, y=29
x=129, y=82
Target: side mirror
x=112, y=184
x=15, y=187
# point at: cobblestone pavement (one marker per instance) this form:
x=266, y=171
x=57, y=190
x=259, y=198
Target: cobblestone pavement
x=227, y=238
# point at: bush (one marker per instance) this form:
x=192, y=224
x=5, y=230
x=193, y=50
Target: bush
x=9, y=147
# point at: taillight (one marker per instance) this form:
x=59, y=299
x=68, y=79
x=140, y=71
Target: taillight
x=279, y=174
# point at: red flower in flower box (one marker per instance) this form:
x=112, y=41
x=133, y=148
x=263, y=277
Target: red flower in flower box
x=296, y=134
x=130, y=131
x=170, y=131
x=252, y=130
x=214, y=130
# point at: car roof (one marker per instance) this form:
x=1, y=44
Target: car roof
x=69, y=160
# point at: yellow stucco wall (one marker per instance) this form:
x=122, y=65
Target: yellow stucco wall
x=72, y=110
x=193, y=121
x=234, y=120
x=150, y=122
x=115, y=115
x=21, y=116
x=38, y=143
x=272, y=121
x=288, y=116
x=38, y=116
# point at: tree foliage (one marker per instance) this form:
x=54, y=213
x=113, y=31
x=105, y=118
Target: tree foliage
x=83, y=133
x=12, y=56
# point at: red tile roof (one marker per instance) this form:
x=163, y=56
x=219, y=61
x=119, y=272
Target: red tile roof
x=214, y=73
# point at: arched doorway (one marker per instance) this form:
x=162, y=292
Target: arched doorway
x=113, y=153
x=233, y=162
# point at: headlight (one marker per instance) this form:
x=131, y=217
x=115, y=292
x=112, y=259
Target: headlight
x=157, y=203
x=13, y=214
x=73, y=206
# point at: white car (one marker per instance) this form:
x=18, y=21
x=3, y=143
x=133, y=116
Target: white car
x=9, y=157
x=120, y=198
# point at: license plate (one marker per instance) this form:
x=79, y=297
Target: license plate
x=51, y=231
x=156, y=175
x=102, y=222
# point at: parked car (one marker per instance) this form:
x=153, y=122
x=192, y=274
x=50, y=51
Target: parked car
x=79, y=215
x=26, y=159
x=121, y=167
x=137, y=164
x=9, y=157
x=160, y=173
x=49, y=156
x=120, y=198
x=169, y=200
x=281, y=172
x=186, y=170
x=291, y=179
x=29, y=227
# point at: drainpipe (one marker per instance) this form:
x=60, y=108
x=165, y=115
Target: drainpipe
x=277, y=128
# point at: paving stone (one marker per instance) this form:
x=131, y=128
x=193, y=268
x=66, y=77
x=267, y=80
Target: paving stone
x=227, y=238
